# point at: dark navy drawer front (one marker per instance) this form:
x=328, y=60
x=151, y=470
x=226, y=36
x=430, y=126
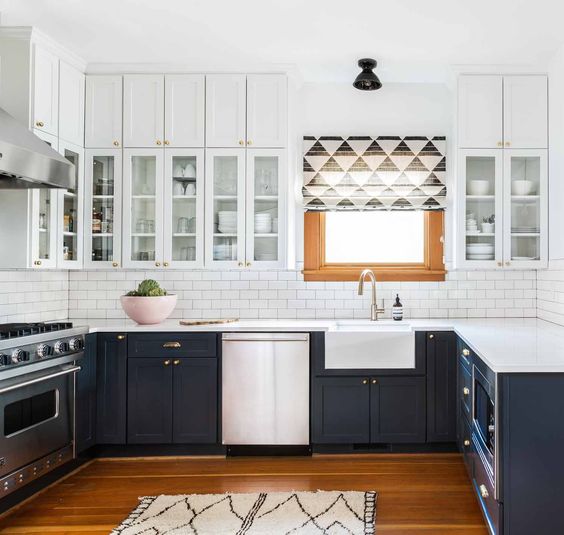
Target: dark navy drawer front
x=176, y=345
x=465, y=393
x=465, y=445
x=486, y=496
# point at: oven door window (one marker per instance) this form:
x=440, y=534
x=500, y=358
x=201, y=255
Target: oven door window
x=484, y=414
x=30, y=411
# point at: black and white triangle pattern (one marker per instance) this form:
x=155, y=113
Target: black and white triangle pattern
x=374, y=173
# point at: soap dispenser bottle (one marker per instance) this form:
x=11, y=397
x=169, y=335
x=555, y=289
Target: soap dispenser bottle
x=397, y=309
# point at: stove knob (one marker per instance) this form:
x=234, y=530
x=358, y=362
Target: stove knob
x=43, y=350
x=76, y=344
x=61, y=347
x=18, y=355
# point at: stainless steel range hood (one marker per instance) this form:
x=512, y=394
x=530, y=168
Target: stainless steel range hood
x=28, y=162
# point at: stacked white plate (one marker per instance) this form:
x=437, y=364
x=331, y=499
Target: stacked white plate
x=480, y=251
x=224, y=251
x=263, y=223
x=266, y=257
x=227, y=222
x=532, y=230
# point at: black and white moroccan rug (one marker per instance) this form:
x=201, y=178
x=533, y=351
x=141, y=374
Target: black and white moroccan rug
x=272, y=513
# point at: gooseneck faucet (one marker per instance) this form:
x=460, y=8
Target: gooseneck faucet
x=374, y=310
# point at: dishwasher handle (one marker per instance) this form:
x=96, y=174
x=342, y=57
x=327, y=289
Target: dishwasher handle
x=265, y=337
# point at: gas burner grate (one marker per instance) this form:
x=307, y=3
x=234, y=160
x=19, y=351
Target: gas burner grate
x=17, y=330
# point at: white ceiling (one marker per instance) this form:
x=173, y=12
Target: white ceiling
x=413, y=40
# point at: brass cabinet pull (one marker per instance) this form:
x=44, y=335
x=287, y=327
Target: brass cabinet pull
x=241, y=142
x=116, y=143
x=115, y=264
x=158, y=264
x=159, y=142
x=484, y=491
x=507, y=263
x=172, y=345
x=499, y=264
x=166, y=142
x=240, y=264
x=121, y=337
x=466, y=352
x=499, y=144
x=165, y=264
x=176, y=362
x=167, y=362
x=507, y=143
x=431, y=336
x=365, y=381
x=39, y=123
x=374, y=381
x=249, y=142
x=466, y=391
x=37, y=263
x=466, y=442
x=248, y=264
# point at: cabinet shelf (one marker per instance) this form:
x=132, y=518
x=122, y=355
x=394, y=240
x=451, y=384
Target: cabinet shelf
x=102, y=197
x=182, y=197
x=184, y=234
x=525, y=198
x=525, y=234
x=269, y=198
x=479, y=234
x=142, y=235
x=480, y=197
x=42, y=230
x=222, y=235
x=102, y=235
x=151, y=197
x=66, y=233
x=267, y=235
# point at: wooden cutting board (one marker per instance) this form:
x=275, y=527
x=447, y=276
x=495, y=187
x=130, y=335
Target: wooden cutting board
x=207, y=322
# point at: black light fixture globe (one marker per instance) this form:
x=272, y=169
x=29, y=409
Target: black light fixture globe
x=367, y=80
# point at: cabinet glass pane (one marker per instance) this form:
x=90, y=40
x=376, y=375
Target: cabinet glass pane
x=143, y=199
x=265, y=212
x=45, y=230
x=225, y=207
x=525, y=207
x=184, y=221
x=103, y=208
x=480, y=208
x=70, y=212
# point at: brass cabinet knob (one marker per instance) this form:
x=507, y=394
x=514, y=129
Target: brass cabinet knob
x=167, y=362
x=248, y=264
x=176, y=362
x=240, y=264
x=499, y=264
x=508, y=144
x=499, y=144
x=166, y=142
x=466, y=442
x=39, y=124
x=249, y=142
x=115, y=264
x=241, y=142
x=37, y=262
x=165, y=264
x=172, y=345
x=484, y=491
x=431, y=336
x=466, y=391
x=121, y=337
x=507, y=263
x=374, y=381
x=365, y=381
x=466, y=352
x=158, y=264
x=159, y=142
x=116, y=143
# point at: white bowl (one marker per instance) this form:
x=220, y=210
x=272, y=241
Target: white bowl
x=522, y=187
x=148, y=310
x=479, y=187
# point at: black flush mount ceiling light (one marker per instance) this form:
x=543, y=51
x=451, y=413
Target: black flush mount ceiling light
x=367, y=80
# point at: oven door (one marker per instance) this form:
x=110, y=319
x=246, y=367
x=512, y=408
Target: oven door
x=36, y=416
x=483, y=422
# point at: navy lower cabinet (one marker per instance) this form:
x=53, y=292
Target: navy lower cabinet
x=149, y=400
x=397, y=410
x=441, y=386
x=85, y=408
x=111, y=378
x=341, y=410
x=194, y=401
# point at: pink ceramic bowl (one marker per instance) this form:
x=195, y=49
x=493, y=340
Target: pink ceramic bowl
x=148, y=310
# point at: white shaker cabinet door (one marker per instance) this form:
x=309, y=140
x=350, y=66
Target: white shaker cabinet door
x=103, y=112
x=184, y=110
x=71, y=104
x=45, y=91
x=525, y=112
x=480, y=112
x=225, y=110
x=266, y=110
x=143, y=110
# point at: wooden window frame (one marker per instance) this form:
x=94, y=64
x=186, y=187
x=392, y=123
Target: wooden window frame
x=316, y=269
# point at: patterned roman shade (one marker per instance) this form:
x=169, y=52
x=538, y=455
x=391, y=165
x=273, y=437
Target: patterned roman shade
x=374, y=173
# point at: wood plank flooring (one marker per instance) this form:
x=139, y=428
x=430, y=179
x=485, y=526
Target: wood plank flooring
x=418, y=494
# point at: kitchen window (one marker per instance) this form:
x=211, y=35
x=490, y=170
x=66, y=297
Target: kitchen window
x=396, y=245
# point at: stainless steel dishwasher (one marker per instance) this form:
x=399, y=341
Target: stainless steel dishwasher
x=265, y=389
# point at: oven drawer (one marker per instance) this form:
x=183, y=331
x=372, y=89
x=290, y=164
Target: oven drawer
x=465, y=445
x=174, y=345
x=484, y=489
x=465, y=391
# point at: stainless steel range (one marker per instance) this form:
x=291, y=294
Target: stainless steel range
x=38, y=363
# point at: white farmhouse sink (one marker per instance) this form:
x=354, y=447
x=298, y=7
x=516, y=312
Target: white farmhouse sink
x=370, y=345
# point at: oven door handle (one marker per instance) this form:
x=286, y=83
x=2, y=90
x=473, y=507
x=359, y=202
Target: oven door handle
x=66, y=371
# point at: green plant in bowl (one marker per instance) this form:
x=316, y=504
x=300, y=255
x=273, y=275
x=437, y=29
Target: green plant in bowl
x=148, y=288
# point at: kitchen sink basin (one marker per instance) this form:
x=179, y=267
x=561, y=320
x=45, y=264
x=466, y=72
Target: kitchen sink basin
x=370, y=345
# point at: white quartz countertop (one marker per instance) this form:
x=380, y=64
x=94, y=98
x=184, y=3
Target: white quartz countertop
x=505, y=345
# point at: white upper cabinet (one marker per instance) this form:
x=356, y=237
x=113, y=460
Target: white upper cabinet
x=71, y=104
x=226, y=110
x=184, y=110
x=525, y=112
x=480, y=111
x=267, y=117
x=103, y=112
x=45, y=90
x=143, y=112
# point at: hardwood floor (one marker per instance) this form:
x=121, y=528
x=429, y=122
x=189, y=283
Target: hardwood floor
x=417, y=494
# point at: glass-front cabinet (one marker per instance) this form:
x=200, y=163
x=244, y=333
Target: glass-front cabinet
x=44, y=228
x=143, y=208
x=70, y=208
x=183, y=208
x=103, y=198
x=502, y=208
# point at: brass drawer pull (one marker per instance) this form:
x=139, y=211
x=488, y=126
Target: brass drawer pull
x=166, y=362
x=121, y=337
x=374, y=381
x=365, y=381
x=484, y=491
x=176, y=362
x=466, y=442
x=466, y=391
x=466, y=352
x=172, y=345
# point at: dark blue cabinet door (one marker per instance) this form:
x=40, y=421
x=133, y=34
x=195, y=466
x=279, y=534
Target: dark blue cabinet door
x=85, y=415
x=149, y=401
x=340, y=411
x=441, y=386
x=397, y=409
x=194, y=406
x=111, y=375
